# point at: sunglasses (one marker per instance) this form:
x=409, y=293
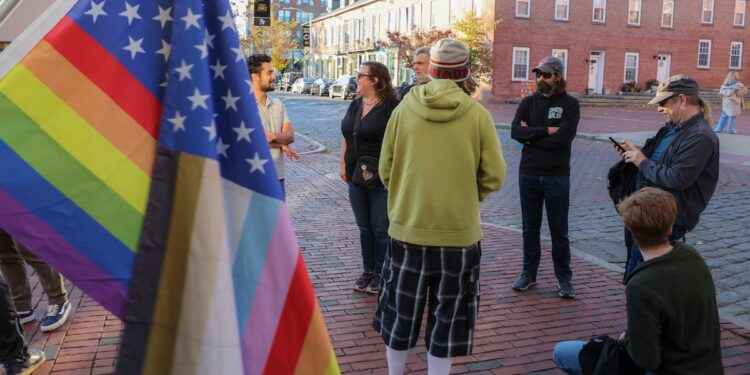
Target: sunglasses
x=665, y=101
x=360, y=75
x=543, y=74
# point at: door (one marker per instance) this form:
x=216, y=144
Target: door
x=596, y=72
x=662, y=68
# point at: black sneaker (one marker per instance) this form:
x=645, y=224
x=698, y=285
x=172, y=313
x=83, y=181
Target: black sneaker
x=566, y=290
x=36, y=358
x=374, y=286
x=523, y=282
x=364, y=280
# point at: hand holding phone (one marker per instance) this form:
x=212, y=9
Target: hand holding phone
x=618, y=146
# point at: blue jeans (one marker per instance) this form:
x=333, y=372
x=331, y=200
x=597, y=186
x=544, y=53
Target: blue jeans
x=723, y=120
x=552, y=192
x=371, y=213
x=565, y=356
x=636, y=257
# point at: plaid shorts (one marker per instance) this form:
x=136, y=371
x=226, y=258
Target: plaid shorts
x=451, y=277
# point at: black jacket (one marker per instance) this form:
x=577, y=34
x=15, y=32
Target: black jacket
x=372, y=128
x=546, y=154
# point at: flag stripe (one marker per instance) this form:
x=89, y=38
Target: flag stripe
x=75, y=182
x=271, y=293
x=88, y=56
x=77, y=137
x=59, y=253
x=51, y=207
x=92, y=104
x=168, y=309
x=317, y=353
x=296, y=316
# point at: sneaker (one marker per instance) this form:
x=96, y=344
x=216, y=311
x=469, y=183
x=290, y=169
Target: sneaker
x=361, y=284
x=374, y=286
x=523, y=282
x=26, y=316
x=733, y=132
x=566, y=290
x=36, y=358
x=56, y=316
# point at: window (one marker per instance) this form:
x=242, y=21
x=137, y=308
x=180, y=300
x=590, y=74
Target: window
x=739, y=12
x=520, y=64
x=523, y=8
x=303, y=17
x=704, y=53
x=391, y=20
x=708, y=11
x=631, y=67
x=375, y=27
x=634, y=12
x=285, y=15
x=600, y=11
x=433, y=13
x=455, y=10
x=667, y=13
x=562, y=54
x=562, y=9
x=476, y=7
x=735, y=55
x=403, y=20
x=416, y=16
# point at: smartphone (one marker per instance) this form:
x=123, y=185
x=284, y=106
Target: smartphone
x=617, y=145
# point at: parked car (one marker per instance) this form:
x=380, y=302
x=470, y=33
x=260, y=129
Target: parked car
x=287, y=79
x=344, y=87
x=321, y=86
x=302, y=85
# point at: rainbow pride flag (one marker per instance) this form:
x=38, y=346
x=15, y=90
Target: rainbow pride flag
x=134, y=162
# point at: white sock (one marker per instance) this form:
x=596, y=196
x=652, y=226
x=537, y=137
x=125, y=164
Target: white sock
x=396, y=361
x=438, y=366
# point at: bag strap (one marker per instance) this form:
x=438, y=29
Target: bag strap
x=357, y=124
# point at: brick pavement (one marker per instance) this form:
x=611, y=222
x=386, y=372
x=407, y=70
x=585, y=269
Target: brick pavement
x=515, y=335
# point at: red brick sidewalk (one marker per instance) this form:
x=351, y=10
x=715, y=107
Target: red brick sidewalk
x=515, y=332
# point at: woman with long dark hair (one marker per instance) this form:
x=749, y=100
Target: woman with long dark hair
x=362, y=128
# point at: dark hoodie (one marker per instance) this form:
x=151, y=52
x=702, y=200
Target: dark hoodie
x=546, y=154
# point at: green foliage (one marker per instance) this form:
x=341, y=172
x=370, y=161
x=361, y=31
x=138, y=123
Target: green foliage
x=276, y=40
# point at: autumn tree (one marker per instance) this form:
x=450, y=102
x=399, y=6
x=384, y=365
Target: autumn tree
x=278, y=38
x=406, y=44
x=475, y=33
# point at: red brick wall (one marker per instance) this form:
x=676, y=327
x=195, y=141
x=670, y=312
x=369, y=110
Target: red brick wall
x=541, y=33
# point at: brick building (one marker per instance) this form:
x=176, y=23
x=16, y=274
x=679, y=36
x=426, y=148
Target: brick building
x=606, y=44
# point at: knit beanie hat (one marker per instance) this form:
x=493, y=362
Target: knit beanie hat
x=449, y=59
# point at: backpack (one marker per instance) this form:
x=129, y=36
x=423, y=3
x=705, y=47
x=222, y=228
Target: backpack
x=604, y=355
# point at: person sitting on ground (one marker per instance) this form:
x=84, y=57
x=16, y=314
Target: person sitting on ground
x=673, y=321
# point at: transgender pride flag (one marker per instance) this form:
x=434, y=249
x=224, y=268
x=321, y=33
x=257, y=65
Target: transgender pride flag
x=130, y=129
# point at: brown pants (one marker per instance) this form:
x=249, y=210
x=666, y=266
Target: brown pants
x=13, y=260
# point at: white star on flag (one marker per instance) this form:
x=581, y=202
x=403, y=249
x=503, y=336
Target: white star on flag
x=191, y=19
x=230, y=101
x=178, y=121
x=96, y=10
x=256, y=164
x=198, y=100
x=211, y=129
x=239, y=53
x=131, y=12
x=243, y=132
x=218, y=69
x=210, y=39
x=184, y=71
x=227, y=22
x=165, y=50
x=165, y=15
x=221, y=148
x=134, y=47
x=203, y=47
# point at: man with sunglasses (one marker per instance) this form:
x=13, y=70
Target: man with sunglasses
x=546, y=123
x=685, y=159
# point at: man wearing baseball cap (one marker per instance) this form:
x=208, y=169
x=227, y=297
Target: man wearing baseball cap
x=685, y=158
x=546, y=123
x=440, y=158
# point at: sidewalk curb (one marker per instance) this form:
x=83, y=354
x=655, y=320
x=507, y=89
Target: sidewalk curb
x=319, y=147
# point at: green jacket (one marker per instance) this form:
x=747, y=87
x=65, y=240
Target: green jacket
x=673, y=321
x=440, y=158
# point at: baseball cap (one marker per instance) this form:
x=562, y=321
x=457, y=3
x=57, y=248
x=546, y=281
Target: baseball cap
x=549, y=64
x=675, y=85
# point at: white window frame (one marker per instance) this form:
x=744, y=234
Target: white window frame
x=593, y=11
x=708, y=54
x=640, y=6
x=416, y=16
x=671, y=15
x=740, y=4
x=556, y=52
x=528, y=9
x=703, y=12
x=625, y=70
x=567, y=10
x=476, y=7
x=433, y=13
x=739, y=55
x=513, y=65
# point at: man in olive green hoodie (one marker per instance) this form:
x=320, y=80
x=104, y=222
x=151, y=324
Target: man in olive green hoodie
x=440, y=158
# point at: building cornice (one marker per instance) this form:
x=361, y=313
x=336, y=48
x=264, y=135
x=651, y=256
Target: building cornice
x=350, y=7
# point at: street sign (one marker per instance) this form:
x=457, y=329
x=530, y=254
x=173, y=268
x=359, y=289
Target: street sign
x=305, y=36
x=262, y=13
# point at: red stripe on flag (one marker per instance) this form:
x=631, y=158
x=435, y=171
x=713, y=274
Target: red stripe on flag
x=105, y=71
x=294, y=324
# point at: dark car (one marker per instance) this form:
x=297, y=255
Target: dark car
x=344, y=87
x=321, y=86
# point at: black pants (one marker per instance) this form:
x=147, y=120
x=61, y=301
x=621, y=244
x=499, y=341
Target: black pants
x=12, y=343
